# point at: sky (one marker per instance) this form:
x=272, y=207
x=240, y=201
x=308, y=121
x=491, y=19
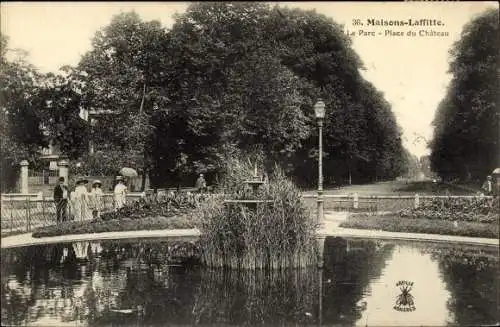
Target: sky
x=411, y=71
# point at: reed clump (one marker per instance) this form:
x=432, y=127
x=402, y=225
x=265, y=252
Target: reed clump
x=276, y=233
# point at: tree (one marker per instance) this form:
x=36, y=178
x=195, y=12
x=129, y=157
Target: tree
x=228, y=91
x=465, y=145
x=20, y=119
x=233, y=78
x=362, y=139
x=61, y=108
x=124, y=74
x=244, y=76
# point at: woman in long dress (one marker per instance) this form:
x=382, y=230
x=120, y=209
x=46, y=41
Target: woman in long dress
x=82, y=201
x=120, y=193
x=96, y=195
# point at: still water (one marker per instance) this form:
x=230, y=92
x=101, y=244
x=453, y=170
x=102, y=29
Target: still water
x=365, y=283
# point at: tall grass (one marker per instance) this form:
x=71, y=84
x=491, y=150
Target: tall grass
x=275, y=234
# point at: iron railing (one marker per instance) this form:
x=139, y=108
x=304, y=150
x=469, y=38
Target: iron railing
x=23, y=212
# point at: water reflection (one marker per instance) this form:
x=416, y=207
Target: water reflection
x=471, y=277
x=116, y=283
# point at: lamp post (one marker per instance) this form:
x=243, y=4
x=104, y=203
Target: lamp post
x=319, y=112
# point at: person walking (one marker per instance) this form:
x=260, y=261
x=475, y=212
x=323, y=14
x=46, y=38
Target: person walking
x=61, y=196
x=96, y=195
x=120, y=193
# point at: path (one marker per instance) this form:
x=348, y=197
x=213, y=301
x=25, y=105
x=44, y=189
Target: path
x=333, y=219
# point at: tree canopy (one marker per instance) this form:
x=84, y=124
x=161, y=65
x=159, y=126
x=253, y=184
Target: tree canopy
x=227, y=79
x=466, y=126
x=246, y=76
x=20, y=119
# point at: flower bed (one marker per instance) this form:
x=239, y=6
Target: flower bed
x=168, y=212
x=153, y=206
x=115, y=225
x=484, y=210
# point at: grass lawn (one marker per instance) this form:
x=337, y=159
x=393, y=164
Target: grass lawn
x=15, y=232
x=116, y=225
x=393, y=223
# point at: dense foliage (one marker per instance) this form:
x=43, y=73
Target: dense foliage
x=485, y=210
x=246, y=76
x=36, y=110
x=422, y=225
x=226, y=79
x=466, y=135
x=168, y=206
x=21, y=135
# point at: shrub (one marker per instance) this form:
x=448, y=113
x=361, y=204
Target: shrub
x=421, y=225
x=171, y=211
x=167, y=205
x=274, y=234
x=479, y=209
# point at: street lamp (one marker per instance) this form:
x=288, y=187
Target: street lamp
x=319, y=112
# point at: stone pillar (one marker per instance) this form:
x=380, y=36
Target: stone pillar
x=63, y=169
x=416, y=202
x=355, y=201
x=24, y=177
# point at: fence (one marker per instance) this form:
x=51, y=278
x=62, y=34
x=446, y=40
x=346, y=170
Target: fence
x=378, y=203
x=23, y=212
x=43, y=177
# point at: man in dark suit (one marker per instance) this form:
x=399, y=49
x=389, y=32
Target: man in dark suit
x=61, y=195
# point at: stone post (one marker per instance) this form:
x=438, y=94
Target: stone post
x=356, y=201
x=24, y=177
x=63, y=169
x=39, y=202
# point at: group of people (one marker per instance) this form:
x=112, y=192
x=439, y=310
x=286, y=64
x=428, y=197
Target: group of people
x=84, y=204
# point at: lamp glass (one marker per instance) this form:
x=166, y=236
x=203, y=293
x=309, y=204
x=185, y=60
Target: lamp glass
x=319, y=109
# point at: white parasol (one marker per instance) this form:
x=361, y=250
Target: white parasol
x=128, y=172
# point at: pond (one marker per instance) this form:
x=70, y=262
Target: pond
x=367, y=283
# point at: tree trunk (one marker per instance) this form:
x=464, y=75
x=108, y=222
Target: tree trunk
x=143, y=97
